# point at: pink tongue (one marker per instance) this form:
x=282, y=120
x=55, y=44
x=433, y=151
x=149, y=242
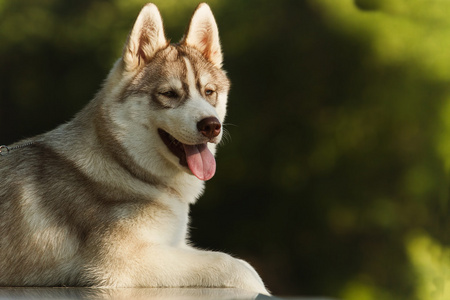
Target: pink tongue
x=200, y=160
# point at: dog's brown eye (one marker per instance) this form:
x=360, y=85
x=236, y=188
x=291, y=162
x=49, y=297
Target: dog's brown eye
x=169, y=94
x=209, y=92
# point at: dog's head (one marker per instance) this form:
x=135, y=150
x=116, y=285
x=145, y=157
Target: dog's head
x=171, y=98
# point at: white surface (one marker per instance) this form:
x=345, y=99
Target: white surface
x=136, y=294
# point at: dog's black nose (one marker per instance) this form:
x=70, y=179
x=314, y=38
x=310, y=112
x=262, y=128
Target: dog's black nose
x=209, y=127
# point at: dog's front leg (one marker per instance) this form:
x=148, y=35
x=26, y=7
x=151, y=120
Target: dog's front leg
x=164, y=266
x=188, y=267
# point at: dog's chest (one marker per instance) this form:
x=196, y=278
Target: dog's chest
x=164, y=224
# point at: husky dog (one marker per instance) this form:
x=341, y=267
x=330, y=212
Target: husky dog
x=103, y=200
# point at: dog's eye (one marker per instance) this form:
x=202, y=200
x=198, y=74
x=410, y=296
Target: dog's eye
x=209, y=92
x=169, y=94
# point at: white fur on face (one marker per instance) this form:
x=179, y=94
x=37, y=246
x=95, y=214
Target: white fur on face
x=181, y=122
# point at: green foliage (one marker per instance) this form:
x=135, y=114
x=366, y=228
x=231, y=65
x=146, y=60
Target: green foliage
x=431, y=263
x=335, y=179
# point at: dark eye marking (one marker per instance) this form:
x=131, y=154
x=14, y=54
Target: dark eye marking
x=169, y=94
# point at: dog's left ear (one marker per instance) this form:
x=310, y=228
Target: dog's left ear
x=203, y=35
x=145, y=39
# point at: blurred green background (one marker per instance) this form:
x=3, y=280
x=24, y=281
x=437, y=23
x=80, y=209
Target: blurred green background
x=335, y=180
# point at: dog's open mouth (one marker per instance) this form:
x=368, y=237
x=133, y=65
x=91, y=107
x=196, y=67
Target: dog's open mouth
x=197, y=158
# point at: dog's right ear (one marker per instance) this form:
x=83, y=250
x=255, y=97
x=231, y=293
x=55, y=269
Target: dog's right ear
x=204, y=35
x=145, y=39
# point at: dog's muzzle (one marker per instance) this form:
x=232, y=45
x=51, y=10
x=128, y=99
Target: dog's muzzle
x=197, y=158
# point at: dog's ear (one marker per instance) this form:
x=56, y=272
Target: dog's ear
x=145, y=39
x=203, y=34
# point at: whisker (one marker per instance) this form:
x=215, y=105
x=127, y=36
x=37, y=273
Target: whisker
x=229, y=124
x=226, y=137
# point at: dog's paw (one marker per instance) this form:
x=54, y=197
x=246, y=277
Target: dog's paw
x=242, y=275
x=255, y=280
